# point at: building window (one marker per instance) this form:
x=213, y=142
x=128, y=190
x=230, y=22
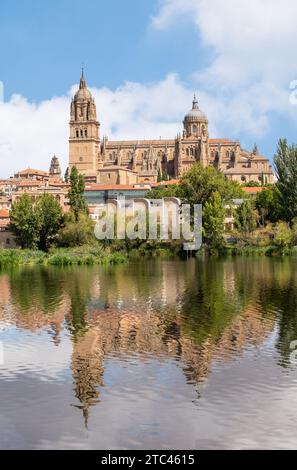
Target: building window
x=86, y=133
x=243, y=178
x=7, y=241
x=77, y=134
x=81, y=159
x=192, y=151
x=187, y=152
x=81, y=133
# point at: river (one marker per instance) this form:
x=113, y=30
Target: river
x=193, y=354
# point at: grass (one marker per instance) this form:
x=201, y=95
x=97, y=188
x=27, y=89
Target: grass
x=85, y=255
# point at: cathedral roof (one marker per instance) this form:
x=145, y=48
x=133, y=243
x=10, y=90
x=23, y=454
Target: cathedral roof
x=195, y=113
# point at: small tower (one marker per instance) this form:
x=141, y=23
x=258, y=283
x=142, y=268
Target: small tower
x=84, y=138
x=55, y=169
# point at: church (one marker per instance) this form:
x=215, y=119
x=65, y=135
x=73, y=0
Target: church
x=129, y=162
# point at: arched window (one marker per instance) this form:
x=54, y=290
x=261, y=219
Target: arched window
x=192, y=151
x=81, y=133
x=194, y=129
x=86, y=133
x=77, y=133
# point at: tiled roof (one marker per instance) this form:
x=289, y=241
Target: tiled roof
x=32, y=171
x=29, y=183
x=111, y=187
x=4, y=214
x=252, y=189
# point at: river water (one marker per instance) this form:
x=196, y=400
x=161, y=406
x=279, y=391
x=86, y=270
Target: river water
x=191, y=354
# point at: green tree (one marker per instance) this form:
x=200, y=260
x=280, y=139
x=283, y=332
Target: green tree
x=23, y=222
x=76, y=194
x=267, y=204
x=213, y=221
x=66, y=176
x=165, y=176
x=246, y=217
x=159, y=179
x=199, y=183
x=285, y=162
x=48, y=214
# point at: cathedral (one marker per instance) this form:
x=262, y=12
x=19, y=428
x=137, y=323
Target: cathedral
x=130, y=162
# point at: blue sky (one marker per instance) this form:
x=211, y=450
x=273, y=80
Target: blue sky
x=143, y=61
x=48, y=41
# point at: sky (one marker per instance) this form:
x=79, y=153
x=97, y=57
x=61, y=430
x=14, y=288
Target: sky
x=143, y=61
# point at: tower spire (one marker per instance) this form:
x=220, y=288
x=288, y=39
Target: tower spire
x=82, y=83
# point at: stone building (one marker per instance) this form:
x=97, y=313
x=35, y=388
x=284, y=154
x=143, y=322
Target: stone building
x=138, y=161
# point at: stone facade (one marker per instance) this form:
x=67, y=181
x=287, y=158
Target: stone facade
x=116, y=162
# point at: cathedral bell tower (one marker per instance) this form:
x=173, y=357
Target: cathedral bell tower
x=193, y=146
x=84, y=138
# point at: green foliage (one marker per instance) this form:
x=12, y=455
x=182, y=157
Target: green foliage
x=76, y=194
x=66, y=176
x=282, y=235
x=84, y=255
x=213, y=221
x=23, y=222
x=35, y=225
x=285, y=162
x=268, y=205
x=76, y=233
x=172, y=190
x=159, y=176
x=252, y=184
x=246, y=217
x=49, y=218
x=199, y=183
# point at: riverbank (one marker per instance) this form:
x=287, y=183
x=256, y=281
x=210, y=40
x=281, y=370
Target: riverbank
x=60, y=257
x=88, y=255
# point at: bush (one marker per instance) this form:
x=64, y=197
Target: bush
x=282, y=235
x=76, y=233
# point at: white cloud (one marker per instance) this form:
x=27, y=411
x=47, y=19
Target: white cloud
x=31, y=133
x=251, y=48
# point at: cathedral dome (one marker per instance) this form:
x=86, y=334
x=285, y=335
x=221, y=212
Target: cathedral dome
x=83, y=93
x=195, y=113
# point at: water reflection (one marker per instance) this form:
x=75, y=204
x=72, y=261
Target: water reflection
x=199, y=315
